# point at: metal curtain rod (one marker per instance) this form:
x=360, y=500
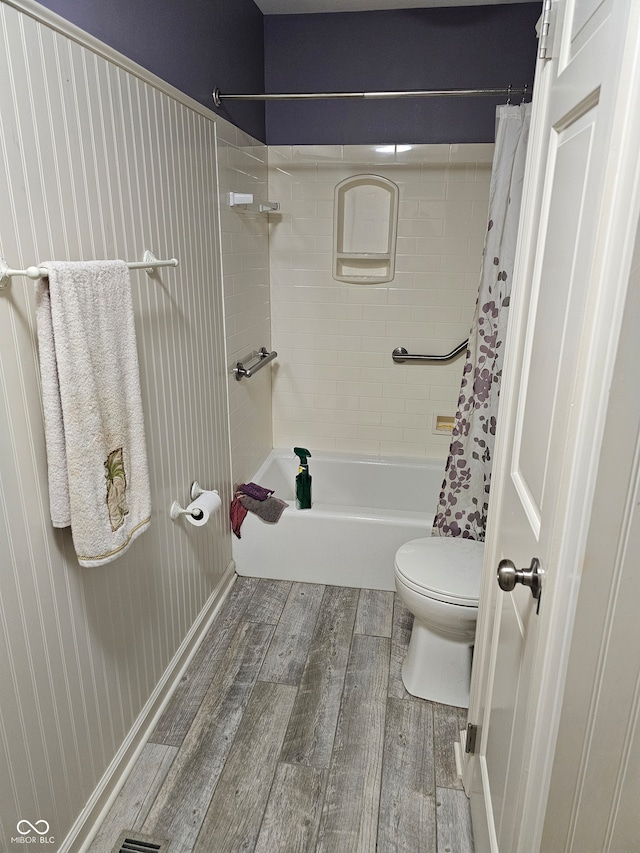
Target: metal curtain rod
x=218, y=97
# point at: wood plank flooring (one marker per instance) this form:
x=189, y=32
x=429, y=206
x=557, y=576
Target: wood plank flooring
x=291, y=732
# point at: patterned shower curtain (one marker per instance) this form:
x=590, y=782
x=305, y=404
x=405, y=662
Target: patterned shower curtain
x=464, y=499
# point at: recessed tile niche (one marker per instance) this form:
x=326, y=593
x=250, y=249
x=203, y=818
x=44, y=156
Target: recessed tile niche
x=365, y=221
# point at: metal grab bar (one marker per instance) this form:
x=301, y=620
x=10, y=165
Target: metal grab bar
x=263, y=357
x=400, y=354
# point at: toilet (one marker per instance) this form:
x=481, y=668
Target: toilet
x=438, y=579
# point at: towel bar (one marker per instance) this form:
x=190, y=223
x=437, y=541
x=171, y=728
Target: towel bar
x=149, y=262
x=263, y=357
x=400, y=355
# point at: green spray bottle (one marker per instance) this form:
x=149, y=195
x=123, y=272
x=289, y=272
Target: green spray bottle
x=303, y=479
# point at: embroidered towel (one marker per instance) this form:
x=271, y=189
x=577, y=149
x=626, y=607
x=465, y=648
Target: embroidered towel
x=94, y=427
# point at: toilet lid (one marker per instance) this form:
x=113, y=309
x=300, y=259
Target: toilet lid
x=443, y=568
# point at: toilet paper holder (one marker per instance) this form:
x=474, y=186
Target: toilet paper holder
x=176, y=510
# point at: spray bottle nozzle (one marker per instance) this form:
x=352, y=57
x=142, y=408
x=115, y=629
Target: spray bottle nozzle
x=302, y=453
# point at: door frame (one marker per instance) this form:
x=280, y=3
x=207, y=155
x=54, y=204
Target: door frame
x=615, y=241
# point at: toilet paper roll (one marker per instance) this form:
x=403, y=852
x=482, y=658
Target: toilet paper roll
x=205, y=505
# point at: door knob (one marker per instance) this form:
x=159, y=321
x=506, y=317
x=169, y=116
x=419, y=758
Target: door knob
x=509, y=576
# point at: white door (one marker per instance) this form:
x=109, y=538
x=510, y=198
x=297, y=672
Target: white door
x=569, y=284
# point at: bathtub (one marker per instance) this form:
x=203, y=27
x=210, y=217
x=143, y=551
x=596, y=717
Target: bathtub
x=363, y=509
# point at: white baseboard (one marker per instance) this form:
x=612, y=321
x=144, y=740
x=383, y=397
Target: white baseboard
x=90, y=818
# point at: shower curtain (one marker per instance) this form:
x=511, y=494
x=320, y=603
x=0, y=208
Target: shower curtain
x=464, y=499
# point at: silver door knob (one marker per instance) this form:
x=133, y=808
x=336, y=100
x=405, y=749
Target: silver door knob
x=509, y=576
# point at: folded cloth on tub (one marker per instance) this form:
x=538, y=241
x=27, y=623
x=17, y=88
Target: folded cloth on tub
x=237, y=514
x=269, y=509
x=255, y=491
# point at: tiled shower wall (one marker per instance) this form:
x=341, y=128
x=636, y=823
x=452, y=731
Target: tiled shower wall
x=242, y=167
x=335, y=386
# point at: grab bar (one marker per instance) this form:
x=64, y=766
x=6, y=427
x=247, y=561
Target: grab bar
x=400, y=354
x=263, y=357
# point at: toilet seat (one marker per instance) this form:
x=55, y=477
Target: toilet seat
x=445, y=569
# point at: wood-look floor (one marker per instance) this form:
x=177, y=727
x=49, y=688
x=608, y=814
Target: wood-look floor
x=291, y=731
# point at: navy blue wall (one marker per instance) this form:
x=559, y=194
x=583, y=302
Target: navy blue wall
x=192, y=44
x=465, y=47
x=198, y=44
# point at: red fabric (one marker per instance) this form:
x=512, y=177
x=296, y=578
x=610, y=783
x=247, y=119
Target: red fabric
x=237, y=514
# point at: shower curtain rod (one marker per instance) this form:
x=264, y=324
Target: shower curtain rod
x=218, y=96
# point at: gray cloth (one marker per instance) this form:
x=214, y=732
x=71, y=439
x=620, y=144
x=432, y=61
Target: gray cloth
x=268, y=510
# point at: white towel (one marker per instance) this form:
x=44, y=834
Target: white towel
x=94, y=427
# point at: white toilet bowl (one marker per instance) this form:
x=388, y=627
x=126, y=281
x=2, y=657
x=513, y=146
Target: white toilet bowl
x=438, y=579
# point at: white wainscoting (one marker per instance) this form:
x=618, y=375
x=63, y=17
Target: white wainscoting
x=99, y=159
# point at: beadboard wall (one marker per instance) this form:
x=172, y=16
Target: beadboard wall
x=335, y=384
x=99, y=161
x=245, y=252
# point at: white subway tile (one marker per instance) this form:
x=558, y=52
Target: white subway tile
x=404, y=449
x=408, y=209
x=311, y=261
x=409, y=297
x=360, y=389
x=464, y=209
x=335, y=402
x=360, y=359
x=423, y=407
x=468, y=192
x=468, y=152
x=382, y=404
x=313, y=191
x=476, y=244
x=418, y=263
x=465, y=228
x=357, y=416
x=399, y=313
x=316, y=226
x=429, y=190
x=317, y=153
x=462, y=172
x=426, y=153
x=406, y=392
x=335, y=372
x=461, y=263
x=406, y=420
x=339, y=342
x=447, y=245
x=324, y=208
x=420, y=227
x=380, y=433
x=295, y=243
x=360, y=445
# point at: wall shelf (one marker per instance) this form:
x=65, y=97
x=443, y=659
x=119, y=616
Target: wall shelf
x=365, y=223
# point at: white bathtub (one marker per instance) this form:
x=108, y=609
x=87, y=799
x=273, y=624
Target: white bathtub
x=363, y=509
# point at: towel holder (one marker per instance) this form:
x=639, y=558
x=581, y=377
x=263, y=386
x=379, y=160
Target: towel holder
x=149, y=263
x=263, y=357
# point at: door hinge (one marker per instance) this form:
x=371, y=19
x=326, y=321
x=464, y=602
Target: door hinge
x=545, y=31
x=470, y=740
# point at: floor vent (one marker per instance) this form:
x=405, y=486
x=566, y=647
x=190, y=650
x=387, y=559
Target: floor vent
x=134, y=842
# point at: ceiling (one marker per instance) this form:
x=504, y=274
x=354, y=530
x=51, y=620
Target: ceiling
x=295, y=7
